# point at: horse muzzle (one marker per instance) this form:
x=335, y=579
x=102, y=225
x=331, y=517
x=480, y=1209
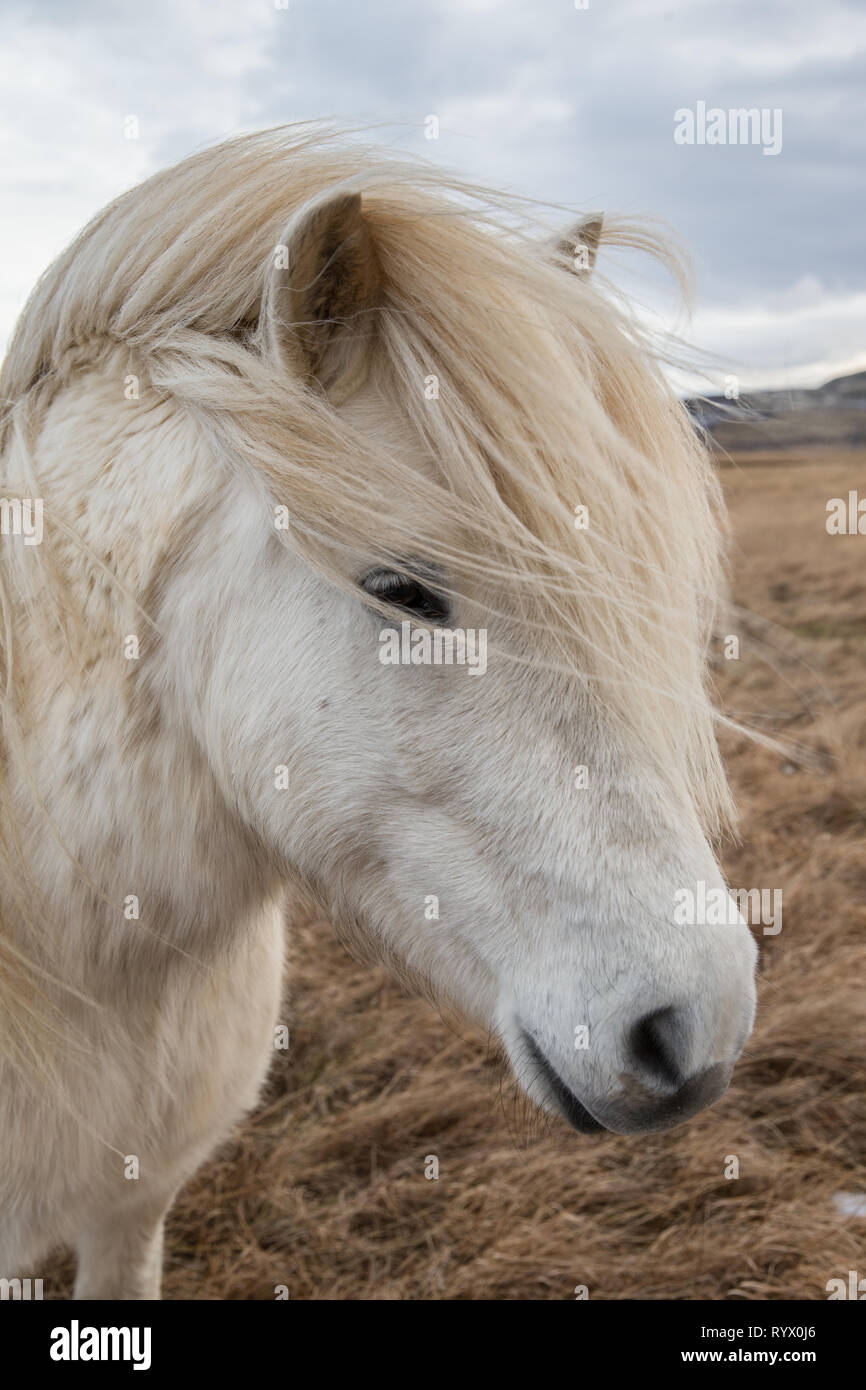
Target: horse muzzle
x=650, y=1093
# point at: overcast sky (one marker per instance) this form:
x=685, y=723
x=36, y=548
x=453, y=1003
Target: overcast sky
x=572, y=105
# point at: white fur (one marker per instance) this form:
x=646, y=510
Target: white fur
x=159, y=779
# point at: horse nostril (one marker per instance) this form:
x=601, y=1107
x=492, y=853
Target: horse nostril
x=656, y=1042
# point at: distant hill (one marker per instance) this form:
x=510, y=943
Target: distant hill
x=834, y=413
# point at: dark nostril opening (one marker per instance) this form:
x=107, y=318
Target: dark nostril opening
x=656, y=1043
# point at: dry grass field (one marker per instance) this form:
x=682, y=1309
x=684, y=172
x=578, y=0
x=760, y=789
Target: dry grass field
x=324, y=1189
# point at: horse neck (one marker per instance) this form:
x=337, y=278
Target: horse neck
x=110, y=793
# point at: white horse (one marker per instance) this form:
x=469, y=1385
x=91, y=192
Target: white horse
x=276, y=400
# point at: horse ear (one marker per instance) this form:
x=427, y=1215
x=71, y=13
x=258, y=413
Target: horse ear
x=323, y=290
x=580, y=245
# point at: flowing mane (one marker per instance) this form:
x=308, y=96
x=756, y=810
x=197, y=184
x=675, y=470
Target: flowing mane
x=548, y=400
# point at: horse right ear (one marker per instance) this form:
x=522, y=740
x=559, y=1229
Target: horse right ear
x=580, y=245
x=320, y=302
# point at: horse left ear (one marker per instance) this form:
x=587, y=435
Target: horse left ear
x=580, y=245
x=320, y=301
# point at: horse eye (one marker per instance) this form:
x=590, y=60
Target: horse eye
x=409, y=594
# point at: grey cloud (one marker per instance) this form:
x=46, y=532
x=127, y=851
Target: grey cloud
x=567, y=105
